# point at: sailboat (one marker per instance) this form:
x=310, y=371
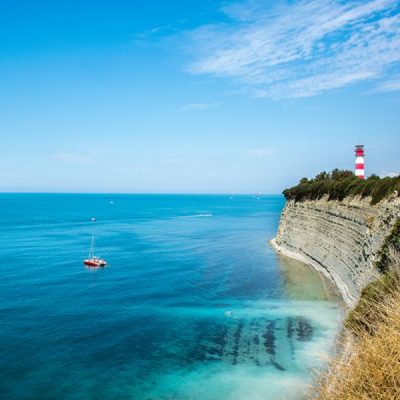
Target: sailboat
x=92, y=260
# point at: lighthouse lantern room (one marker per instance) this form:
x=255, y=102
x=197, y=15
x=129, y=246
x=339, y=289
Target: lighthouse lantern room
x=359, y=151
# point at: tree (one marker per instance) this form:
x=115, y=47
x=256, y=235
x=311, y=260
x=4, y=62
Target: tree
x=339, y=174
x=322, y=176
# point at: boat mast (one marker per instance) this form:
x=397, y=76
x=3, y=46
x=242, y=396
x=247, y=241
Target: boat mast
x=91, y=249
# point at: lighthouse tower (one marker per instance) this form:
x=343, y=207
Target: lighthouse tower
x=360, y=171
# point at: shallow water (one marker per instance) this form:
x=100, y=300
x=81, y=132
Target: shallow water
x=194, y=305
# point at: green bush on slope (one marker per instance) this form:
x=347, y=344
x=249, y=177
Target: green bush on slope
x=390, y=245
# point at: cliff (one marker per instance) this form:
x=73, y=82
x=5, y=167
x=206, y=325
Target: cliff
x=341, y=238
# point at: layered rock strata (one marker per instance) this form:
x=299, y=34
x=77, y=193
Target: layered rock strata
x=339, y=238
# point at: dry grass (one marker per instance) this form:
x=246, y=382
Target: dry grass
x=372, y=371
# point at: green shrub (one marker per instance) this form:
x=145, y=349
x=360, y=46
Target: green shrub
x=340, y=184
x=390, y=246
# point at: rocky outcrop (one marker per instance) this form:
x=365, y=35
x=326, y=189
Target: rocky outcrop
x=340, y=238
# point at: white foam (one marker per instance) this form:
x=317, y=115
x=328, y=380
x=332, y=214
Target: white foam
x=204, y=215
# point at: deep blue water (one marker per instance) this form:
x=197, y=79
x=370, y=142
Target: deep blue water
x=195, y=304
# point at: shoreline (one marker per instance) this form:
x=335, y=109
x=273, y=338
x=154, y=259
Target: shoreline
x=342, y=288
x=344, y=341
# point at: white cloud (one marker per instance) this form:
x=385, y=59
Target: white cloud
x=198, y=106
x=301, y=48
x=269, y=151
x=149, y=35
x=389, y=86
x=389, y=174
x=80, y=156
x=5, y=174
x=72, y=157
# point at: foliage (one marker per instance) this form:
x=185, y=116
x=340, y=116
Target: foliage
x=390, y=245
x=339, y=184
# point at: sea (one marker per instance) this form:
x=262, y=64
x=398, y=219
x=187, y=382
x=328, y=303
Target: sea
x=194, y=303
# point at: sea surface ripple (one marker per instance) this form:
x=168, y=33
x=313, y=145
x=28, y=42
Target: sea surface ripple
x=194, y=303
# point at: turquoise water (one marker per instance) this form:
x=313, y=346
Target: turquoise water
x=194, y=305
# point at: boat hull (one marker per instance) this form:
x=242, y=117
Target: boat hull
x=95, y=263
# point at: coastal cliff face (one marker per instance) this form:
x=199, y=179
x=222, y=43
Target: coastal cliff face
x=339, y=238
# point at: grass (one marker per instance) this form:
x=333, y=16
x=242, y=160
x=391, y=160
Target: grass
x=373, y=370
x=364, y=317
x=339, y=184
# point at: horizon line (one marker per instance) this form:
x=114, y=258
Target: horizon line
x=147, y=193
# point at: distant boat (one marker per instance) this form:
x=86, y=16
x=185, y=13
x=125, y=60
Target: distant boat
x=92, y=260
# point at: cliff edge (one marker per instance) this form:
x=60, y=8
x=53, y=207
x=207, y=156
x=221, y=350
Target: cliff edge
x=341, y=238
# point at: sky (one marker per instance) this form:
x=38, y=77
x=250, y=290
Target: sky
x=196, y=96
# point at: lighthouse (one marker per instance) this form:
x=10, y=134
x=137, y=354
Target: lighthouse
x=359, y=151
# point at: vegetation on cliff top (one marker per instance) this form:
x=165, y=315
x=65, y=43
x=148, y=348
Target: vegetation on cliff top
x=372, y=371
x=339, y=184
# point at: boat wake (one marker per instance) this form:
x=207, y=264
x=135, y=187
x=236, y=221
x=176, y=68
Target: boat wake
x=205, y=215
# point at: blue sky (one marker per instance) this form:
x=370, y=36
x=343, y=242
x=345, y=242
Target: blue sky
x=195, y=96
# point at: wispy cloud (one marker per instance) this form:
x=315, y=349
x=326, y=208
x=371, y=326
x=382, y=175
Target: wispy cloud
x=80, y=156
x=72, y=157
x=199, y=106
x=5, y=174
x=389, y=86
x=389, y=174
x=300, y=48
x=152, y=33
x=268, y=151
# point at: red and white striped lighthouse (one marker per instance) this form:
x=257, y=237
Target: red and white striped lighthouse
x=360, y=171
